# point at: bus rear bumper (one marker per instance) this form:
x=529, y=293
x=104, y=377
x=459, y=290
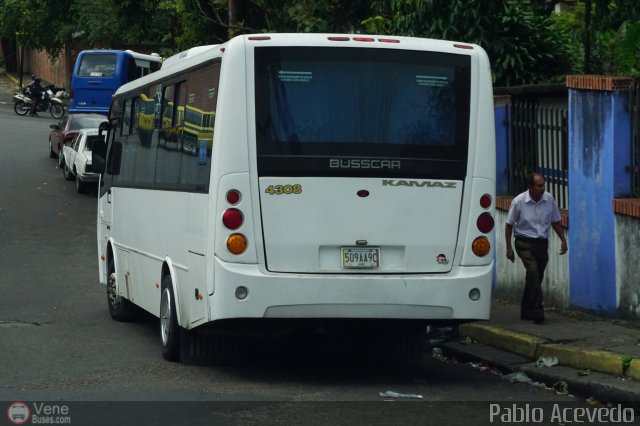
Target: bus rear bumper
x=437, y=297
x=88, y=110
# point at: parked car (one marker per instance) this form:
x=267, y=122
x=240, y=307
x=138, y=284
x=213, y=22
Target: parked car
x=67, y=128
x=75, y=158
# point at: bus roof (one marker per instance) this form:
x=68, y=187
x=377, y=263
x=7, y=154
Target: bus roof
x=154, y=57
x=200, y=54
x=186, y=54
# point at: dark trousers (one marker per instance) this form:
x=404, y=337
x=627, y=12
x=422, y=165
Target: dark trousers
x=535, y=256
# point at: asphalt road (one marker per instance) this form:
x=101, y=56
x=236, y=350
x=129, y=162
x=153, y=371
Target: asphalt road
x=58, y=342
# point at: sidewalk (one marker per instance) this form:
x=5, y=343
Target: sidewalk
x=596, y=357
x=8, y=86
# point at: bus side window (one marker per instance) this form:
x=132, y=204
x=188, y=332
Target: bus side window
x=134, y=115
x=170, y=137
x=126, y=118
x=197, y=138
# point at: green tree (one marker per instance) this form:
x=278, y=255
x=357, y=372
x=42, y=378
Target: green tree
x=36, y=24
x=523, y=45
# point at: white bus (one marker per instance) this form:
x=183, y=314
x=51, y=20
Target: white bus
x=346, y=181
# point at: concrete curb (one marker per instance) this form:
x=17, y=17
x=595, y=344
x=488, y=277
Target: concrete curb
x=534, y=347
x=518, y=343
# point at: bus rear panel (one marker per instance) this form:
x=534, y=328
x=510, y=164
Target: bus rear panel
x=97, y=74
x=288, y=178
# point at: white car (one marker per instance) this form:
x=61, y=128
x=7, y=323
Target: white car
x=76, y=158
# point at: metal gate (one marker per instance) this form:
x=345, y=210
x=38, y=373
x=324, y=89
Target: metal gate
x=539, y=143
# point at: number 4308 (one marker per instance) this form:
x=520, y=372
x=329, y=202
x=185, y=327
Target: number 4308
x=283, y=189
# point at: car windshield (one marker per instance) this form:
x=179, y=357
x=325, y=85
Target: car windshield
x=85, y=122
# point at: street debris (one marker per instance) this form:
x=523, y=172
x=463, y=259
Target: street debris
x=467, y=341
x=484, y=367
x=518, y=377
x=586, y=372
x=391, y=394
x=561, y=388
x=545, y=361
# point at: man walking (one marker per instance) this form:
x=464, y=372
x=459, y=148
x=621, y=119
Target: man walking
x=530, y=216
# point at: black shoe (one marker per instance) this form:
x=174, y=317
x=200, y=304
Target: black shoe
x=34, y=114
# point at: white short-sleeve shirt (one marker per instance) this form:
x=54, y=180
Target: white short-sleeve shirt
x=531, y=219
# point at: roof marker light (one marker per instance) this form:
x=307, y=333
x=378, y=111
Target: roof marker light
x=367, y=39
x=259, y=38
x=462, y=46
x=339, y=38
x=388, y=40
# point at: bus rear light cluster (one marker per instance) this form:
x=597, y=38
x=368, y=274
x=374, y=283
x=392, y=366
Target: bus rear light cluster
x=232, y=219
x=481, y=246
x=233, y=197
x=363, y=39
x=485, y=201
x=237, y=243
x=485, y=223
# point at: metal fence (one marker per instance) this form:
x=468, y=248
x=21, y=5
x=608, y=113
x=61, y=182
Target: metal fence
x=539, y=143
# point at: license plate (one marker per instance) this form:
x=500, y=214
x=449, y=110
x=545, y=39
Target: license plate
x=360, y=257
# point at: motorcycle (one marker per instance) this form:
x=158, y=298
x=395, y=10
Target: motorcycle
x=51, y=100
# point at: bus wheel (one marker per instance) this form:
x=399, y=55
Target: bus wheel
x=120, y=308
x=169, y=328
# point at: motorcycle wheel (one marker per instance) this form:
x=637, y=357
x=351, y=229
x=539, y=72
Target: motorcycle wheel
x=56, y=111
x=21, y=108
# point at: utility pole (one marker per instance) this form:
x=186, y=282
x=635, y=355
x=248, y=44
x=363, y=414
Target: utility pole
x=233, y=18
x=587, y=36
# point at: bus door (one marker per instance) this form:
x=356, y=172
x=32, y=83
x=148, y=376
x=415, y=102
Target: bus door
x=372, y=183
x=97, y=75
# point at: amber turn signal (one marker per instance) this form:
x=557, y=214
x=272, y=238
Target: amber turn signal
x=237, y=243
x=481, y=246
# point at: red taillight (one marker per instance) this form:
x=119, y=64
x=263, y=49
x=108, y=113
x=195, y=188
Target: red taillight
x=233, y=197
x=485, y=223
x=232, y=218
x=485, y=201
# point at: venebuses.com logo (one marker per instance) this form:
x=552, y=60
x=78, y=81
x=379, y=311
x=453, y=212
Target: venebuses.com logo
x=18, y=413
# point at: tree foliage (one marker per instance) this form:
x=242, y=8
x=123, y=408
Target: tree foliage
x=526, y=41
x=39, y=24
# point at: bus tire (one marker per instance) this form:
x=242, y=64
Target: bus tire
x=120, y=308
x=170, y=331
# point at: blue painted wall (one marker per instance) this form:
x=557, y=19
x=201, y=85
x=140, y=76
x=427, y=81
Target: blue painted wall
x=598, y=140
x=502, y=147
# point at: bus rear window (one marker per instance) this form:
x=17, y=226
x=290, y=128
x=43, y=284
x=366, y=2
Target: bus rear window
x=316, y=106
x=97, y=65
